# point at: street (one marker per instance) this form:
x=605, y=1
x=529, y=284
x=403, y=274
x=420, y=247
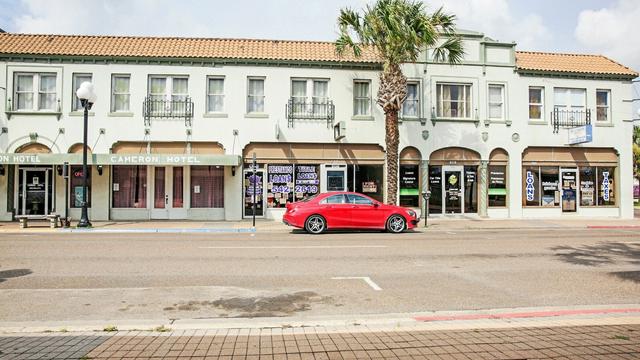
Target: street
x=70, y=276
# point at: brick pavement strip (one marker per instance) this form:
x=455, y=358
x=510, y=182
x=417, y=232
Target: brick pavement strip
x=568, y=342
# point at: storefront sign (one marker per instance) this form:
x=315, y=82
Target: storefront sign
x=124, y=159
x=580, y=134
x=496, y=177
x=409, y=180
x=369, y=187
x=529, y=187
x=280, y=179
x=306, y=181
x=605, y=185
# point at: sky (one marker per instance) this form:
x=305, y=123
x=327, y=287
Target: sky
x=607, y=27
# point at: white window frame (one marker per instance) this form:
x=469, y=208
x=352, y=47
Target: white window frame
x=418, y=101
x=502, y=103
x=469, y=95
x=75, y=102
x=541, y=104
x=569, y=105
x=35, y=91
x=251, y=96
x=361, y=98
x=168, y=91
x=309, y=94
x=608, y=106
x=209, y=95
x=114, y=93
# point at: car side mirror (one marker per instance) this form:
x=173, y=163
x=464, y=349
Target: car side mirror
x=376, y=204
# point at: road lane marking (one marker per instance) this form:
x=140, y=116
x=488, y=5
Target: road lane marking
x=366, y=279
x=298, y=247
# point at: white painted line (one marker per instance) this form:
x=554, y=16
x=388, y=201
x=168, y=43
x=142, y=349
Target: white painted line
x=366, y=279
x=298, y=247
x=451, y=233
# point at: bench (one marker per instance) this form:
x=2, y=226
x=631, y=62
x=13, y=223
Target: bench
x=24, y=220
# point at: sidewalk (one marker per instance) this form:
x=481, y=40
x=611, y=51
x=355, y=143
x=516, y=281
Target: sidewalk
x=586, y=336
x=262, y=225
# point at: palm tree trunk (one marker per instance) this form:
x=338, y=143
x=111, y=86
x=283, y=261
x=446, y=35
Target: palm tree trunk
x=392, y=140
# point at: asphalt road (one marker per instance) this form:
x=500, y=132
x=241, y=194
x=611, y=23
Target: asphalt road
x=191, y=276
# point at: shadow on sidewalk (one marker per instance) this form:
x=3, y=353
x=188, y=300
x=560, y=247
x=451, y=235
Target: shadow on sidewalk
x=599, y=254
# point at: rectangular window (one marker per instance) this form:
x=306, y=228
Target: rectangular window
x=536, y=103
x=587, y=186
x=35, y=91
x=549, y=178
x=409, y=185
x=255, y=96
x=606, y=193
x=129, y=186
x=496, y=102
x=75, y=183
x=215, y=95
x=570, y=99
x=23, y=98
x=78, y=79
x=320, y=91
x=207, y=187
x=411, y=105
x=497, y=185
x=168, y=94
x=279, y=185
x=361, y=97
x=120, y=93
x=603, y=98
x=454, y=101
x=435, y=186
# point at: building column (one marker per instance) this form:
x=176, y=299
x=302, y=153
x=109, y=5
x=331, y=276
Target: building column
x=424, y=181
x=482, y=202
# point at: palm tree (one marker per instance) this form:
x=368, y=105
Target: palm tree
x=398, y=31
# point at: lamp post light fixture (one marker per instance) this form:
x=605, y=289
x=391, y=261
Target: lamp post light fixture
x=87, y=98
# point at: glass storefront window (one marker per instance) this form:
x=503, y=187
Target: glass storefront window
x=435, y=186
x=253, y=182
x=129, y=186
x=587, y=186
x=368, y=180
x=75, y=182
x=497, y=185
x=549, y=177
x=531, y=186
x=280, y=185
x=207, y=187
x=470, y=189
x=606, y=193
x=409, y=185
x=307, y=181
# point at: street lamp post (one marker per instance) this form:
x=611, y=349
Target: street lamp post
x=87, y=98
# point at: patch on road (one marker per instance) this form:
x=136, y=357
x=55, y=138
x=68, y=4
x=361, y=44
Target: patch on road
x=633, y=276
x=257, y=306
x=13, y=273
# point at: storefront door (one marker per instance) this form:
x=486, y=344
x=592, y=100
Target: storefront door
x=168, y=193
x=453, y=189
x=35, y=191
x=569, y=189
x=253, y=183
x=334, y=177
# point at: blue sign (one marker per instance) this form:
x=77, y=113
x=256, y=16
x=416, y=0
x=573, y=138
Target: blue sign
x=531, y=190
x=580, y=134
x=605, y=185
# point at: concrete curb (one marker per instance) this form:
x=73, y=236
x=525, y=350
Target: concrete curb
x=437, y=320
x=162, y=230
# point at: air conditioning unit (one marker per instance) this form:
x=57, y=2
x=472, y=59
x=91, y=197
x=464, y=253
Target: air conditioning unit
x=339, y=130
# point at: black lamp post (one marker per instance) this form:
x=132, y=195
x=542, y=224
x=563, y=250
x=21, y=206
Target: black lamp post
x=87, y=97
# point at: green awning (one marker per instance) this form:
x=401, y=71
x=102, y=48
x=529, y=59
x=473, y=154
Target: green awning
x=120, y=159
x=497, y=191
x=409, y=192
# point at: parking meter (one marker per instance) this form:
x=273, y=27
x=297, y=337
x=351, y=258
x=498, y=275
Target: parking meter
x=426, y=194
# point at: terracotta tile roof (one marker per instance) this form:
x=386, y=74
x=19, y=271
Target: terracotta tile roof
x=165, y=47
x=571, y=63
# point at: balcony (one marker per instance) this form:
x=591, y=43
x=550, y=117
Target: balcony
x=299, y=109
x=162, y=108
x=569, y=118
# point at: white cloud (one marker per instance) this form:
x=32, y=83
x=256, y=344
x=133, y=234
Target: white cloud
x=497, y=20
x=612, y=31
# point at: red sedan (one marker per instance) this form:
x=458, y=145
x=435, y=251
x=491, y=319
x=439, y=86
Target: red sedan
x=347, y=210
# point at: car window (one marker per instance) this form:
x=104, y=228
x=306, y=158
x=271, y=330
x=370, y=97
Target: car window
x=359, y=200
x=334, y=199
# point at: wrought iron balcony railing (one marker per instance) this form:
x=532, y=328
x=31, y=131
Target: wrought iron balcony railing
x=569, y=118
x=161, y=108
x=298, y=109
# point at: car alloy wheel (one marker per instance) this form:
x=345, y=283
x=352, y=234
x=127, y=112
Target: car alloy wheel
x=396, y=224
x=315, y=224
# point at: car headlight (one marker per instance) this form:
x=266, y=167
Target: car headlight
x=411, y=213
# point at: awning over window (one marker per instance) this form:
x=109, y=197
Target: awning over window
x=557, y=156
x=410, y=156
x=294, y=153
x=454, y=156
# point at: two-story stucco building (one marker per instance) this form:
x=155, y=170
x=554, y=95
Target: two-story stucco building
x=505, y=134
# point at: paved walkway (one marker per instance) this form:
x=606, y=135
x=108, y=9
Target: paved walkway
x=565, y=342
x=262, y=225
